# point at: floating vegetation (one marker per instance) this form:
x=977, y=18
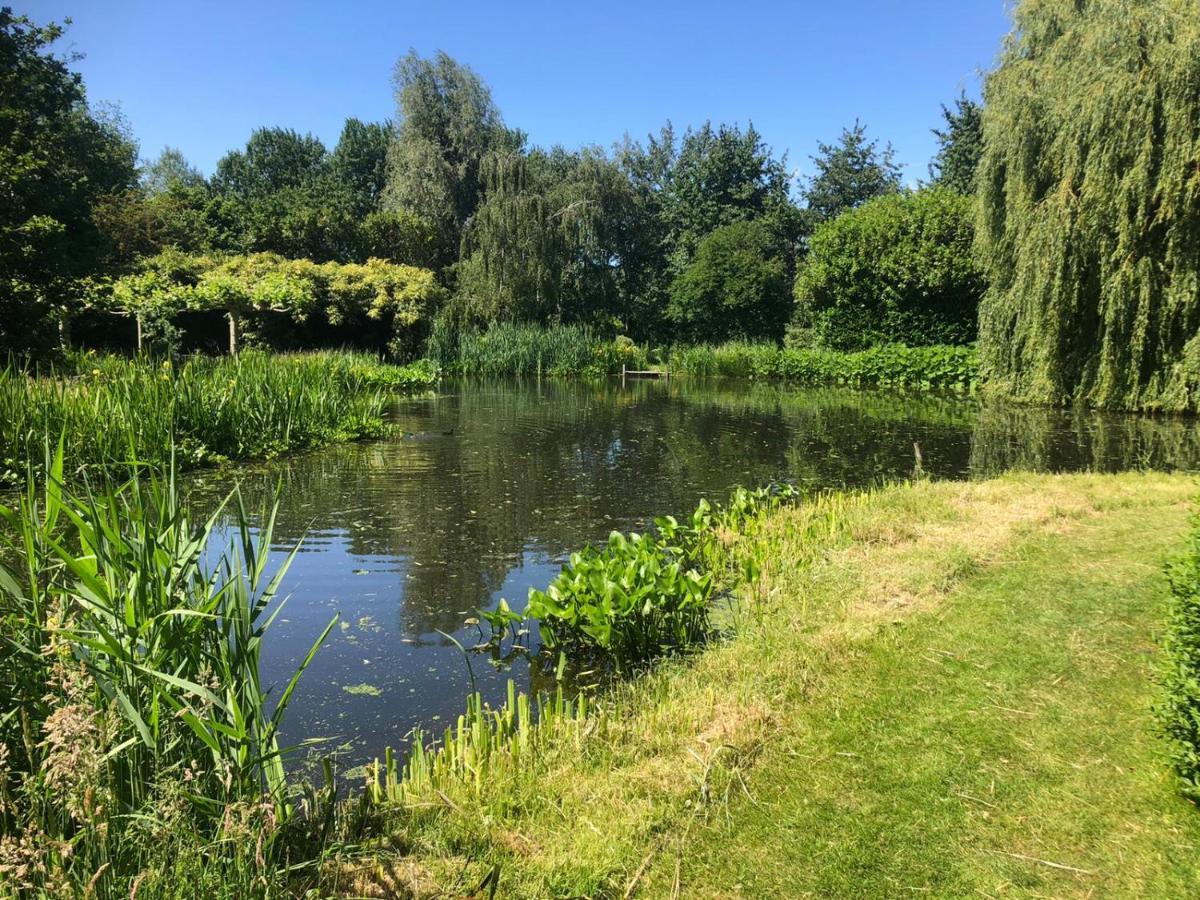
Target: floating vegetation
x=362, y=690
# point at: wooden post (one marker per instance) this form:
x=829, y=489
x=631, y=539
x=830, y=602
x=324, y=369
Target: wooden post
x=64, y=332
x=138, y=317
x=233, y=331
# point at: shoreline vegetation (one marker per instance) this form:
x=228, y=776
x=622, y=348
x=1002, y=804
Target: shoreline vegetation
x=116, y=415
x=866, y=680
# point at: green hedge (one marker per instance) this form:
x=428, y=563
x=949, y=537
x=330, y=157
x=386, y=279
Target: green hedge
x=1179, y=711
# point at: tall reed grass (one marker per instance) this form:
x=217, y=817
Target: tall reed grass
x=135, y=723
x=514, y=349
x=112, y=412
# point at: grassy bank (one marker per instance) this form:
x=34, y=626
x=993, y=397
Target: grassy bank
x=939, y=687
x=942, y=688
x=111, y=411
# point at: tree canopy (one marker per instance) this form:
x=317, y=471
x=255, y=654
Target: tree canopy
x=57, y=160
x=849, y=173
x=897, y=269
x=960, y=146
x=1089, y=206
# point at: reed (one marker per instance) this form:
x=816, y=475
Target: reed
x=515, y=349
x=114, y=414
x=135, y=715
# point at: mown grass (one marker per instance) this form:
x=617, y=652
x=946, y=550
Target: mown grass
x=939, y=688
x=113, y=412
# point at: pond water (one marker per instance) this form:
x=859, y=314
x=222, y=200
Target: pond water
x=492, y=485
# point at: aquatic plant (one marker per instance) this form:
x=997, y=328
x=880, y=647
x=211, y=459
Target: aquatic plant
x=134, y=710
x=890, y=365
x=514, y=349
x=114, y=414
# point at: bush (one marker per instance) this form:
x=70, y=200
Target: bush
x=1179, y=712
x=898, y=269
x=735, y=287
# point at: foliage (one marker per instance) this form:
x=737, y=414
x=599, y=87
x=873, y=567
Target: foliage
x=892, y=365
x=116, y=415
x=643, y=595
x=135, y=716
x=395, y=302
x=735, y=286
x=447, y=124
x=849, y=173
x=57, y=161
x=1089, y=207
x=1179, y=708
x=509, y=349
x=960, y=146
x=898, y=269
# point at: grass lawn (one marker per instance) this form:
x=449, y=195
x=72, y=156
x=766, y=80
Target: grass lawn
x=935, y=690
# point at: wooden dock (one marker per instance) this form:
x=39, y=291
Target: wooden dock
x=644, y=373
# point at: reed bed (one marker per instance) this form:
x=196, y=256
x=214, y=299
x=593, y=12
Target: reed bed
x=514, y=349
x=112, y=413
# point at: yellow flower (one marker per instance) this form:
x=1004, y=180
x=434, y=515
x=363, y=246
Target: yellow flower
x=95, y=371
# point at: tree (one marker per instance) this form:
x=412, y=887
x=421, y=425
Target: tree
x=169, y=171
x=849, y=173
x=448, y=123
x=274, y=159
x=1089, y=206
x=960, y=146
x=721, y=176
x=736, y=287
x=359, y=162
x=897, y=269
x=57, y=159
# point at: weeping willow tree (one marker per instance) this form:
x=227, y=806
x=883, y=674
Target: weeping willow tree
x=1089, y=206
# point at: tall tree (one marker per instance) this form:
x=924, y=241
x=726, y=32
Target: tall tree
x=359, y=162
x=274, y=158
x=722, y=175
x=960, y=146
x=170, y=170
x=57, y=160
x=849, y=173
x=447, y=124
x=1089, y=206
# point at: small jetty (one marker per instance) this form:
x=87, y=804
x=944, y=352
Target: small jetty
x=644, y=373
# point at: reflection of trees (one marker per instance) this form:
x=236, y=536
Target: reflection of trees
x=1014, y=437
x=491, y=472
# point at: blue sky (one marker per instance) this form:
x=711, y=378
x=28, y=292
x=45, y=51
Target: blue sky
x=201, y=76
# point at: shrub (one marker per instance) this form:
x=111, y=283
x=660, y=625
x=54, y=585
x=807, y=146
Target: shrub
x=735, y=287
x=897, y=269
x=1179, y=711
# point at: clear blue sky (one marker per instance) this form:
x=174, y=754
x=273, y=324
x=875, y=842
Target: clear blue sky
x=201, y=76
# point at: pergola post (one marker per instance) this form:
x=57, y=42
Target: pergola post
x=138, y=319
x=234, y=318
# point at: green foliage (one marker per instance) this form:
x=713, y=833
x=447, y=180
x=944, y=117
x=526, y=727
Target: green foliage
x=116, y=415
x=735, y=286
x=1089, y=206
x=1179, y=709
x=447, y=124
x=849, y=173
x=510, y=349
x=898, y=269
x=892, y=365
x=395, y=302
x=644, y=595
x=57, y=161
x=135, y=717
x=960, y=146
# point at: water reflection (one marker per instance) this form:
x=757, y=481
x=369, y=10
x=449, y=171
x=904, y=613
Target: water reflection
x=493, y=484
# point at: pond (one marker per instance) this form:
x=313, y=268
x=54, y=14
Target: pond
x=490, y=486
